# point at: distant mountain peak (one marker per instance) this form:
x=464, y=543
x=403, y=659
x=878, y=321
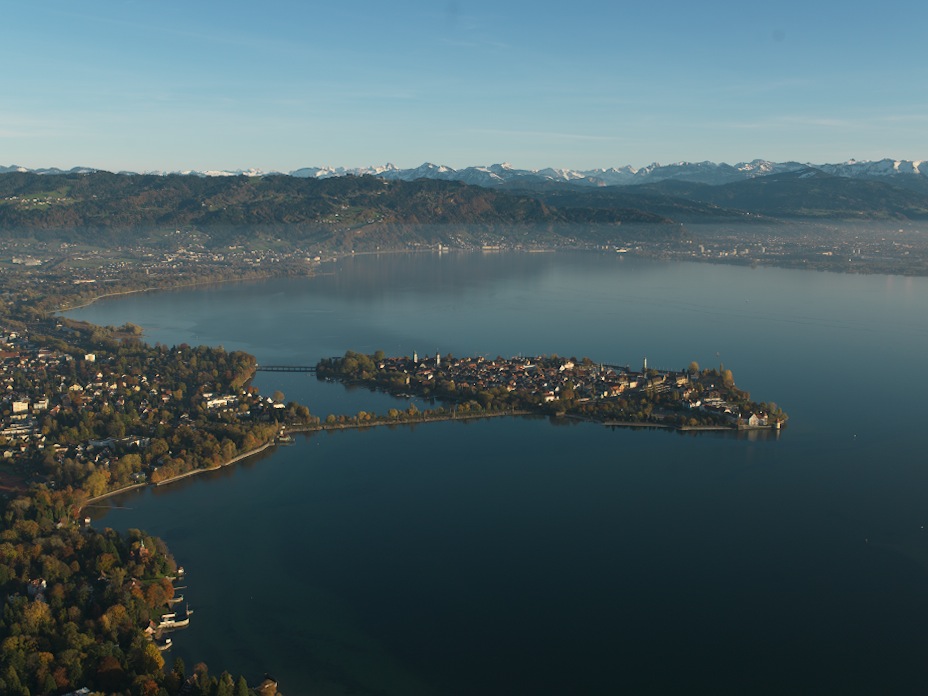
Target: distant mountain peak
x=504, y=173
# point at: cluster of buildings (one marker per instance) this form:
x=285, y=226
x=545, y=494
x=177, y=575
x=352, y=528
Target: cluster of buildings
x=855, y=247
x=551, y=378
x=139, y=399
x=36, y=383
x=554, y=379
x=21, y=404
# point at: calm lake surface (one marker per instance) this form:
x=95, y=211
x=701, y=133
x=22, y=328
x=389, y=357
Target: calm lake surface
x=525, y=556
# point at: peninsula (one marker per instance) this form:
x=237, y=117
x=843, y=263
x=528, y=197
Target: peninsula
x=91, y=410
x=607, y=393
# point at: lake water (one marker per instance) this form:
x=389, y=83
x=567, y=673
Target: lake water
x=527, y=556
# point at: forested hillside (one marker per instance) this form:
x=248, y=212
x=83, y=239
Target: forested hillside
x=106, y=202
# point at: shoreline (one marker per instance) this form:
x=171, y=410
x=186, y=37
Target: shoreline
x=96, y=499
x=286, y=430
x=320, y=427
x=329, y=427
x=670, y=426
x=101, y=297
x=642, y=424
x=336, y=257
x=373, y=424
x=237, y=458
x=178, y=477
x=155, y=288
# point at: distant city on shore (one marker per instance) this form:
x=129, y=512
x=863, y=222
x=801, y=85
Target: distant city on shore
x=861, y=217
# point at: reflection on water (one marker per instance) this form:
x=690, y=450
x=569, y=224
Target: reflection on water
x=551, y=556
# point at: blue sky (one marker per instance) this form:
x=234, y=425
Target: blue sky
x=278, y=85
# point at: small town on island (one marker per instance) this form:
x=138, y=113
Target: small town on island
x=689, y=399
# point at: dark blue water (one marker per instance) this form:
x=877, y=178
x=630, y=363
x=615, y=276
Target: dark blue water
x=521, y=556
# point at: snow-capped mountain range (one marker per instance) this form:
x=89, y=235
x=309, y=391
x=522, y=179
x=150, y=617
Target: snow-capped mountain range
x=505, y=174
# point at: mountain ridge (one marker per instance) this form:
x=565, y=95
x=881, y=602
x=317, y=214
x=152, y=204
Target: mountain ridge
x=379, y=205
x=504, y=174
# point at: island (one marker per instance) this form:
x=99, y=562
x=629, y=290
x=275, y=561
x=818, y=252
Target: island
x=617, y=395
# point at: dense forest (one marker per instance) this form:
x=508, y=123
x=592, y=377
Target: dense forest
x=77, y=605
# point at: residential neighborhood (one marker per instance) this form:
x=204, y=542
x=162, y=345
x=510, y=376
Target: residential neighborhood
x=133, y=415
x=605, y=392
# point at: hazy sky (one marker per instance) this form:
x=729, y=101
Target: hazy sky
x=277, y=85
